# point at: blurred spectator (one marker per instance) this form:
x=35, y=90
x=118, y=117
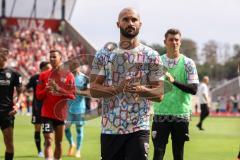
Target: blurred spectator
x=204, y=100
x=28, y=47
x=229, y=105
x=234, y=103
x=221, y=104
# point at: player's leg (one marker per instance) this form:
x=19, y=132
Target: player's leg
x=160, y=133
x=79, y=130
x=69, y=137
x=199, y=125
x=7, y=129
x=206, y=112
x=59, y=130
x=48, y=140
x=178, y=150
x=179, y=136
x=37, y=139
x=203, y=115
x=8, y=140
x=47, y=128
x=137, y=146
x=36, y=121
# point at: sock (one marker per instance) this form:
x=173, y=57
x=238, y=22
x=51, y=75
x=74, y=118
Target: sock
x=8, y=156
x=79, y=130
x=69, y=136
x=37, y=139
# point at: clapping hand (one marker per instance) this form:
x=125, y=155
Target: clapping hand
x=53, y=87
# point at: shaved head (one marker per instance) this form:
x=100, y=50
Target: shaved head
x=128, y=10
x=129, y=22
x=205, y=79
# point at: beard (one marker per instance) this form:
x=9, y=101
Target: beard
x=127, y=34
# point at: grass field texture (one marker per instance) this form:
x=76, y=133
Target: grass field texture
x=220, y=140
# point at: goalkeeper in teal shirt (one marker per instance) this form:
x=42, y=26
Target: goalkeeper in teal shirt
x=77, y=108
x=172, y=114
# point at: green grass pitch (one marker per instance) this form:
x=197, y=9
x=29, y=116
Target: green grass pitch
x=220, y=140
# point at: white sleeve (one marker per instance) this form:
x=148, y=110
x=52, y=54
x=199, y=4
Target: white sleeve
x=191, y=69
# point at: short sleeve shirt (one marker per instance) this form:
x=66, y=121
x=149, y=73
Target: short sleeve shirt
x=126, y=112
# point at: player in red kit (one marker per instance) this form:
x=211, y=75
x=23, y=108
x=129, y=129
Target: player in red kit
x=55, y=87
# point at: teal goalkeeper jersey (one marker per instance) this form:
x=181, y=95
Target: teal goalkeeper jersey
x=78, y=105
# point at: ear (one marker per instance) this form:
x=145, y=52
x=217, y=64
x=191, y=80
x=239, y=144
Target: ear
x=118, y=24
x=164, y=41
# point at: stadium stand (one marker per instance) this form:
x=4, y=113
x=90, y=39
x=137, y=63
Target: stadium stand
x=29, y=37
x=28, y=47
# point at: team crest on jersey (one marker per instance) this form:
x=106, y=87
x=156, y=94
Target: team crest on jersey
x=62, y=79
x=8, y=75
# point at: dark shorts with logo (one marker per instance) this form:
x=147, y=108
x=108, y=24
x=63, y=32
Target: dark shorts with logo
x=132, y=146
x=163, y=126
x=49, y=125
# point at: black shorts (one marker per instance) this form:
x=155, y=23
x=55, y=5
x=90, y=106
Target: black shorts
x=6, y=122
x=132, y=146
x=36, y=119
x=163, y=126
x=49, y=125
x=36, y=112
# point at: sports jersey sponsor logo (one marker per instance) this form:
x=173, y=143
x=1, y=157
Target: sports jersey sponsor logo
x=63, y=79
x=4, y=82
x=8, y=75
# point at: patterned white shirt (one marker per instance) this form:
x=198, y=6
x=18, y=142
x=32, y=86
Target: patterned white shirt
x=126, y=112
